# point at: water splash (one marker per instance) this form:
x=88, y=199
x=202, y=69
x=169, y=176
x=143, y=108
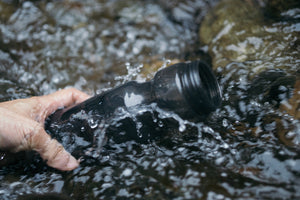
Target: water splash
x=133, y=73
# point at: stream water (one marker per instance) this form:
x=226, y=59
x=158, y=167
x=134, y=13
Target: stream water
x=247, y=149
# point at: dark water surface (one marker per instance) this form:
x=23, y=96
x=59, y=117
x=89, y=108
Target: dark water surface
x=247, y=149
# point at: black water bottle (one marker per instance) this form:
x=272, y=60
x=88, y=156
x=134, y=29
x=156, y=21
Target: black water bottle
x=188, y=89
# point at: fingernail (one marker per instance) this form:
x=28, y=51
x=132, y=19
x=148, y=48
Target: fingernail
x=73, y=163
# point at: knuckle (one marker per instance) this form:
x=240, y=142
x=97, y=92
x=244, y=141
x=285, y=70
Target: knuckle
x=56, y=152
x=37, y=111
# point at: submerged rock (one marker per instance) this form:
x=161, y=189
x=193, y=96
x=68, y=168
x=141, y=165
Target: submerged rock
x=237, y=31
x=254, y=46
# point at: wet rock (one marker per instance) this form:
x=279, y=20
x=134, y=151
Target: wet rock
x=187, y=13
x=150, y=68
x=274, y=8
x=5, y=10
x=257, y=53
x=273, y=86
x=237, y=31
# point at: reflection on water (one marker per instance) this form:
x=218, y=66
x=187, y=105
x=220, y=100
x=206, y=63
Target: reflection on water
x=248, y=149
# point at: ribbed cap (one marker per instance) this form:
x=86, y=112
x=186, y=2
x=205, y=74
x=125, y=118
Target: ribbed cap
x=200, y=87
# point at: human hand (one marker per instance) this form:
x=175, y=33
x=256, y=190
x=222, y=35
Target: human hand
x=22, y=126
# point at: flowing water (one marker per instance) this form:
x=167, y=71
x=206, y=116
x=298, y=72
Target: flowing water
x=247, y=149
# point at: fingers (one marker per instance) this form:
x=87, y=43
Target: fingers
x=62, y=98
x=51, y=151
x=22, y=126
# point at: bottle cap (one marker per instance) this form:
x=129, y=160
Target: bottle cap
x=200, y=87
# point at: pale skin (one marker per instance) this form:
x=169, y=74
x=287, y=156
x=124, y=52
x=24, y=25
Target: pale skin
x=22, y=126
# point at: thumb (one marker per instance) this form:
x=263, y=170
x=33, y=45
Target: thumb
x=52, y=151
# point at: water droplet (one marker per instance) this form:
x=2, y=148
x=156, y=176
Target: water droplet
x=92, y=123
x=160, y=124
x=182, y=127
x=2, y=155
x=139, y=134
x=224, y=174
x=127, y=172
x=138, y=127
x=220, y=160
x=225, y=123
x=225, y=146
x=208, y=130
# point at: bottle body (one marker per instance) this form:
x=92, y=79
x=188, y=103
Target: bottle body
x=84, y=118
x=187, y=89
